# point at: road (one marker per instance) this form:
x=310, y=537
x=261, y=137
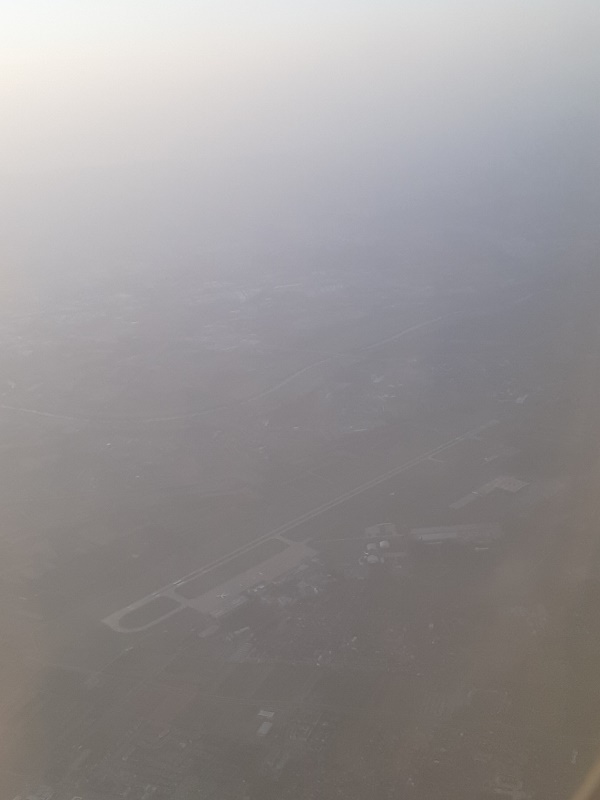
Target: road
x=202, y=412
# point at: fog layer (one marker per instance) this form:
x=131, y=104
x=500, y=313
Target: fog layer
x=137, y=132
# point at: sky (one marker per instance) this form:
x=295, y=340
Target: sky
x=165, y=131
x=106, y=82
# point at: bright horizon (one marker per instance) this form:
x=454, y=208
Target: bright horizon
x=86, y=84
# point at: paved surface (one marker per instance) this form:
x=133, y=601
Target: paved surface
x=218, y=594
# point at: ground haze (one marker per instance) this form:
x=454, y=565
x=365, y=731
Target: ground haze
x=299, y=420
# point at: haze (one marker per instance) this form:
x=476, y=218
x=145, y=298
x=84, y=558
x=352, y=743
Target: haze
x=285, y=103
x=113, y=83
x=299, y=420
